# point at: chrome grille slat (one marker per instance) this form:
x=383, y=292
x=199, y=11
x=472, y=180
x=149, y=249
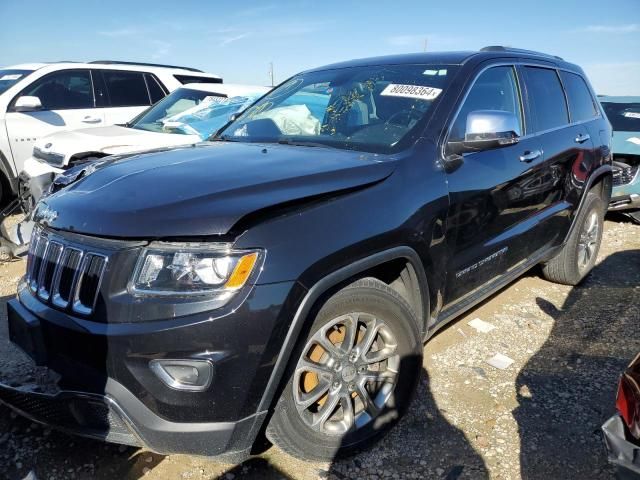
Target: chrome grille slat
x=71, y=259
x=50, y=264
x=67, y=276
x=79, y=305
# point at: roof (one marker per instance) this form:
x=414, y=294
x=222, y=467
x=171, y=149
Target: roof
x=618, y=99
x=25, y=66
x=450, y=58
x=112, y=66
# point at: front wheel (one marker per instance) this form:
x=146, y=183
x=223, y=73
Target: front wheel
x=578, y=256
x=353, y=376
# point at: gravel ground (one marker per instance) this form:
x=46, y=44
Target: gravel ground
x=538, y=418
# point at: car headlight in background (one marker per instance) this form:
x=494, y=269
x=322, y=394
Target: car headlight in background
x=193, y=269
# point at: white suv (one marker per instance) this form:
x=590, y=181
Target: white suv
x=41, y=99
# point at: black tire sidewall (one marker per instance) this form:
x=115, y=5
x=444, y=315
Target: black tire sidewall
x=592, y=203
x=401, y=320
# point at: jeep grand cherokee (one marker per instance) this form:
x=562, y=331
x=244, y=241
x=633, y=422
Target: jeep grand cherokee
x=284, y=276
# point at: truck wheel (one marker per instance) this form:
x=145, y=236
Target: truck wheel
x=578, y=256
x=354, y=375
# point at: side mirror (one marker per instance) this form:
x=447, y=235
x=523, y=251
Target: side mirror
x=27, y=103
x=488, y=129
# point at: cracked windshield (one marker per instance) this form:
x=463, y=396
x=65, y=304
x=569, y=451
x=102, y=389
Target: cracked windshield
x=372, y=109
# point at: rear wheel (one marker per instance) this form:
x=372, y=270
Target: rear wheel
x=353, y=376
x=578, y=256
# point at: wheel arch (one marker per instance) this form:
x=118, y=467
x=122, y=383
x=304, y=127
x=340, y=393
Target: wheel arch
x=6, y=175
x=602, y=179
x=375, y=265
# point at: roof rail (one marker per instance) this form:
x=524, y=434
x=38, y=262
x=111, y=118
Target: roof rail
x=500, y=48
x=142, y=64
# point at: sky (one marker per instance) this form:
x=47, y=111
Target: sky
x=238, y=40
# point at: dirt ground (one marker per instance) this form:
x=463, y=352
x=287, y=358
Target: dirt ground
x=538, y=418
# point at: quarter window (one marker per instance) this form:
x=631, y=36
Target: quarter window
x=581, y=104
x=126, y=89
x=155, y=90
x=66, y=89
x=494, y=89
x=546, y=99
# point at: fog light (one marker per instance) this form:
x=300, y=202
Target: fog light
x=190, y=375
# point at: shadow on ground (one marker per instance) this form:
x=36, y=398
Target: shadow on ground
x=567, y=389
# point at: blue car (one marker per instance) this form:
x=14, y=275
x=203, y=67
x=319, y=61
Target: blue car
x=624, y=115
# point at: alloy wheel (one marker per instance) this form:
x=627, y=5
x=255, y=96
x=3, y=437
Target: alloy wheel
x=588, y=242
x=346, y=374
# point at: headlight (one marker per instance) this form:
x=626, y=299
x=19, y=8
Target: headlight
x=193, y=269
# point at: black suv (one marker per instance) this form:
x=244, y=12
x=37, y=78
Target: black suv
x=283, y=277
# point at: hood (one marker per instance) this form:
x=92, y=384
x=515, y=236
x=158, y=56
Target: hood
x=203, y=189
x=626, y=143
x=110, y=140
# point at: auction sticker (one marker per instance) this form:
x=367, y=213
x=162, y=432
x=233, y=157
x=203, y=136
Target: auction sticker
x=14, y=76
x=411, y=91
x=632, y=114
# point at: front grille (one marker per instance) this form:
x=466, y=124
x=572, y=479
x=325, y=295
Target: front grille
x=624, y=174
x=67, y=276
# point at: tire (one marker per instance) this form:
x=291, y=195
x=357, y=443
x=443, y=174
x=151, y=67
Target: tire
x=578, y=256
x=372, y=306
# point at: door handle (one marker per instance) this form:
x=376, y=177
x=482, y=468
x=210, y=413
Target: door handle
x=90, y=119
x=582, y=138
x=530, y=156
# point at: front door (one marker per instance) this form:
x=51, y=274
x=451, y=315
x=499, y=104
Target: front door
x=494, y=194
x=67, y=103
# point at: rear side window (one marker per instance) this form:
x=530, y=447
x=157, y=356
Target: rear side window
x=155, y=90
x=581, y=104
x=63, y=90
x=183, y=79
x=125, y=89
x=495, y=89
x=546, y=99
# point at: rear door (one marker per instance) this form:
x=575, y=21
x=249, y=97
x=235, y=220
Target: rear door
x=68, y=102
x=567, y=154
x=493, y=193
x=122, y=94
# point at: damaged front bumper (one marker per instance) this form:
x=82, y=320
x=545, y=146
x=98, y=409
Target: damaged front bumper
x=624, y=454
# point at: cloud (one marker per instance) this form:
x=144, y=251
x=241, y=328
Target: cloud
x=121, y=32
x=255, y=11
x=234, y=38
x=628, y=28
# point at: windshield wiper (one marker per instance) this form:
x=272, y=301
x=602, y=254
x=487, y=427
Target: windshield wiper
x=302, y=143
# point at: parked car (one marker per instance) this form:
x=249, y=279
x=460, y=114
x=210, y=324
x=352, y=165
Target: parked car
x=190, y=114
x=624, y=115
x=38, y=99
x=284, y=277
x=622, y=431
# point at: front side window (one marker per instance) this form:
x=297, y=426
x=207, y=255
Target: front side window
x=9, y=77
x=66, y=89
x=581, y=104
x=624, y=117
x=546, y=99
x=380, y=108
x=494, y=89
x=125, y=89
